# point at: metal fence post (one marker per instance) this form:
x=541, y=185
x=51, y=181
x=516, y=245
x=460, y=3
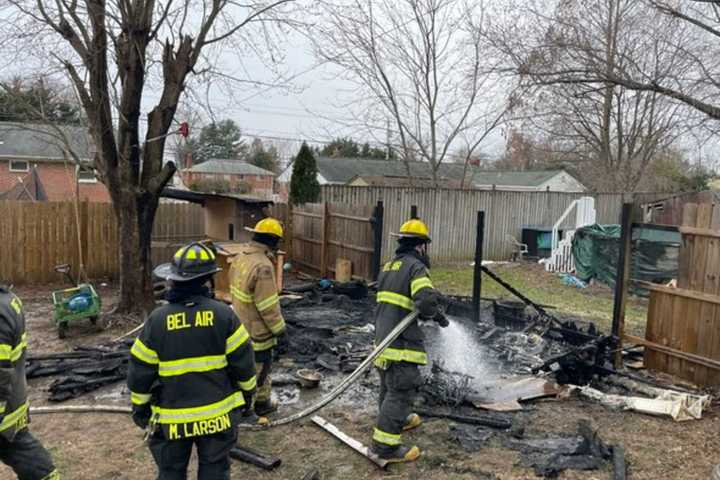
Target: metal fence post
x=477, y=273
x=622, y=280
x=377, y=224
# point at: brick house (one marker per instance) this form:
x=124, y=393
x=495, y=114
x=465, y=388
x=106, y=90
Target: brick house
x=236, y=174
x=35, y=155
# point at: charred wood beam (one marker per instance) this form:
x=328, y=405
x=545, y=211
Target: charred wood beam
x=485, y=420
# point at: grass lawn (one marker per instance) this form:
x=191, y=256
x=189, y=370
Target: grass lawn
x=594, y=303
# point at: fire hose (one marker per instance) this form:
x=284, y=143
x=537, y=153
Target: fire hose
x=339, y=389
x=342, y=386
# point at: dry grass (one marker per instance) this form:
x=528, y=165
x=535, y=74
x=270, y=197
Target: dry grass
x=594, y=303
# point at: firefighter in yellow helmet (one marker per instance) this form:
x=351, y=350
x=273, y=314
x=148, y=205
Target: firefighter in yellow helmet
x=403, y=286
x=255, y=299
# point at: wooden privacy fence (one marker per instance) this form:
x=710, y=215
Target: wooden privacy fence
x=683, y=329
x=451, y=215
x=39, y=235
x=322, y=233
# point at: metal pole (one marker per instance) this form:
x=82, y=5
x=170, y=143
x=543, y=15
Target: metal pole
x=622, y=280
x=477, y=275
x=377, y=225
x=413, y=212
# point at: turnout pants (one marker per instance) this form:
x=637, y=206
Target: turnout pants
x=398, y=388
x=263, y=369
x=27, y=457
x=172, y=456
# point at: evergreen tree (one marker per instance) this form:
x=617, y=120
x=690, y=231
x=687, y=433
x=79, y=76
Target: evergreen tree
x=304, y=187
x=221, y=140
x=260, y=157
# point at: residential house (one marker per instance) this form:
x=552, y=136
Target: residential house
x=236, y=174
x=528, y=181
x=366, y=172
x=34, y=164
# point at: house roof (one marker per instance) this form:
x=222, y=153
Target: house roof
x=39, y=142
x=388, y=181
x=201, y=197
x=228, y=167
x=343, y=170
x=28, y=188
x=514, y=179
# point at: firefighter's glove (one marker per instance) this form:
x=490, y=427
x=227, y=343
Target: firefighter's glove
x=141, y=415
x=441, y=319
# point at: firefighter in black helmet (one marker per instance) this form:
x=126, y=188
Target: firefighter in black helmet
x=403, y=286
x=192, y=372
x=18, y=448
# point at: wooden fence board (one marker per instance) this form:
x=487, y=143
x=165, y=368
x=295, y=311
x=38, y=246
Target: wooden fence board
x=323, y=233
x=41, y=235
x=687, y=319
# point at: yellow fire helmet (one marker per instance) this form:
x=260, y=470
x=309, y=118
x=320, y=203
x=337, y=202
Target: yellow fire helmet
x=414, y=228
x=268, y=226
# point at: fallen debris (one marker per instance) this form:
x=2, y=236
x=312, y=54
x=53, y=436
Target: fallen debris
x=487, y=420
x=252, y=457
x=679, y=406
x=470, y=438
x=619, y=466
x=549, y=456
x=505, y=395
x=349, y=441
x=84, y=370
x=446, y=388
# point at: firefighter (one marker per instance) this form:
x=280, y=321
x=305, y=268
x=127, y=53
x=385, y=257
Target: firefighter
x=18, y=448
x=403, y=286
x=192, y=373
x=255, y=298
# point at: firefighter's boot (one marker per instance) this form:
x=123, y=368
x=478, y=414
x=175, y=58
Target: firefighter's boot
x=413, y=421
x=265, y=407
x=399, y=454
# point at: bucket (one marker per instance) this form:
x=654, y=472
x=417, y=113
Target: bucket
x=509, y=313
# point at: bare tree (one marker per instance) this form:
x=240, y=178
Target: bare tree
x=419, y=63
x=115, y=52
x=697, y=82
x=608, y=132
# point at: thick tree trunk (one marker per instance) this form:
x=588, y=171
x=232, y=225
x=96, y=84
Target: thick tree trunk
x=135, y=216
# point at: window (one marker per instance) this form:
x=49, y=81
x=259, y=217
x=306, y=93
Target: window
x=86, y=174
x=19, y=166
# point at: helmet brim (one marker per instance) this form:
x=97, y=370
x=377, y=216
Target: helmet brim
x=408, y=235
x=167, y=271
x=263, y=233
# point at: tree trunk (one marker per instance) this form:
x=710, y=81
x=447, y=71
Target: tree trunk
x=135, y=216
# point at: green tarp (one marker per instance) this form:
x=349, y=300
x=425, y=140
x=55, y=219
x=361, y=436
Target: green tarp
x=596, y=248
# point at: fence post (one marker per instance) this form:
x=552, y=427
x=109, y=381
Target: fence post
x=377, y=225
x=477, y=274
x=622, y=280
x=413, y=212
x=324, y=239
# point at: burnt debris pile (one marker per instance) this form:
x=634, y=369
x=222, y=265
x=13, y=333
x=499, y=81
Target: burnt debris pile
x=83, y=370
x=442, y=387
x=548, y=456
x=329, y=325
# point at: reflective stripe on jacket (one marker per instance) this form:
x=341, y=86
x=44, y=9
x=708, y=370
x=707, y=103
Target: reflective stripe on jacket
x=191, y=363
x=404, y=285
x=13, y=348
x=255, y=295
